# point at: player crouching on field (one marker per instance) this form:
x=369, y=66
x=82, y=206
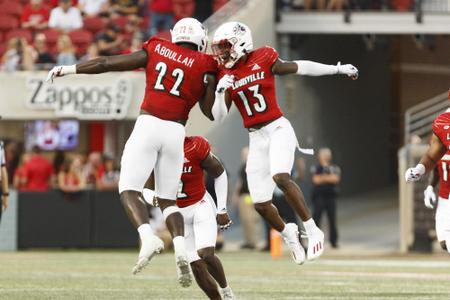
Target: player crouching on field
x=199, y=213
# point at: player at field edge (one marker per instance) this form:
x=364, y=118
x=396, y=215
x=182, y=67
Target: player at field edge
x=178, y=74
x=200, y=214
x=439, y=146
x=247, y=78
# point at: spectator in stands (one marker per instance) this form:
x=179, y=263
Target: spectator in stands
x=161, y=16
x=71, y=179
x=136, y=44
x=109, y=178
x=65, y=17
x=4, y=184
x=38, y=172
x=35, y=15
x=13, y=152
x=93, y=169
x=18, y=56
x=317, y=4
x=94, y=8
x=92, y=52
x=110, y=41
x=131, y=27
x=325, y=177
x=66, y=51
x=19, y=180
x=43, y=55
x=124, y=7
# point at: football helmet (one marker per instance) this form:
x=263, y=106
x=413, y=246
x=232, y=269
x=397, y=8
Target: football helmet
x=231, y=41
x=190, y=30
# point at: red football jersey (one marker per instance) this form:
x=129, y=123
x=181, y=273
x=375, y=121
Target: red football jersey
x=192, y=186
x=444, y=176
x=253, y=91
x=441, y=128
x=174, y=79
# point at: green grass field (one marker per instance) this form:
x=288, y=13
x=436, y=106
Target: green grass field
x=252, y=275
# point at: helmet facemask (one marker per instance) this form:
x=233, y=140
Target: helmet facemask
x=225, y=53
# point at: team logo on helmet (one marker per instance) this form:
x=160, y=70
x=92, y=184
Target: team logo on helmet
x=239, y=29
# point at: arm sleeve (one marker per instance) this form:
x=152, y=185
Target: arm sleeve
x=221, y=188
x=219, y=109
x=310, y=68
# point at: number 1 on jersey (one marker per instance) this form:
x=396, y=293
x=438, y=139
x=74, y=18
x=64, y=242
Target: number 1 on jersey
x=178, y=74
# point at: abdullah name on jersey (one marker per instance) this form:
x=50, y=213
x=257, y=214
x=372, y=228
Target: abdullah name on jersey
x=444, y=178
x=192, y=185
x=253, y=91
x=441, y=128
x=174, y=79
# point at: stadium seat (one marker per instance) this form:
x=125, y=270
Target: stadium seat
x=183, y=8
x=80, y=37
x=217, y=4
x=94, y=24
x=8, y=23
x=52, y=37
x=11, y=8
x=120, y=21
x=23, y=33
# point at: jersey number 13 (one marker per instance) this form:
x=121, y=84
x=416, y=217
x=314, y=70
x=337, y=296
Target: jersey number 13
x=259, y=106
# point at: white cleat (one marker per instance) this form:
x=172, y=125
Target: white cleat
x=291, y=239
x=183, y=270
x=315, y=244
x=153, y=246
x=227, y=294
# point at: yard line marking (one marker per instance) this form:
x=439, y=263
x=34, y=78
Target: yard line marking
x=386, y=263
x=384, y=274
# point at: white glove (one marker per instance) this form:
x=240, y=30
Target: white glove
x=60, y=71
x=224, y=83
x=414, y=174
x=430, y=197
x=349, y=70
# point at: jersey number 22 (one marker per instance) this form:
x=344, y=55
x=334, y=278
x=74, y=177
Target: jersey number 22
x=177, y=74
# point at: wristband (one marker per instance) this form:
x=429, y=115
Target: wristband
x=5, y=194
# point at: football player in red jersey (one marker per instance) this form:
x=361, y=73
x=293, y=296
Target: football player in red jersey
x=442, y=218
x=439, y=146
x=178, y=74
x=200, y=214
x=248, y=79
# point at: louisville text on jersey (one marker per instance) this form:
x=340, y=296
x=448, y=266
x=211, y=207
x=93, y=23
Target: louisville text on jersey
x=248, y=79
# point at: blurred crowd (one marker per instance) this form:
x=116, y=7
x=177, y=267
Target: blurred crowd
x=32, y=171
x=35, y=34
x=337, y=5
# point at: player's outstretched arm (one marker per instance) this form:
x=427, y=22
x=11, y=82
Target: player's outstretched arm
x=102, y=64
x=428, y=160
x=310, y=68
x=214, y=167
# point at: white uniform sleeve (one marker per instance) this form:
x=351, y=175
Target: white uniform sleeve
x=221, y=188
x=219, y=109
x=310, y=68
